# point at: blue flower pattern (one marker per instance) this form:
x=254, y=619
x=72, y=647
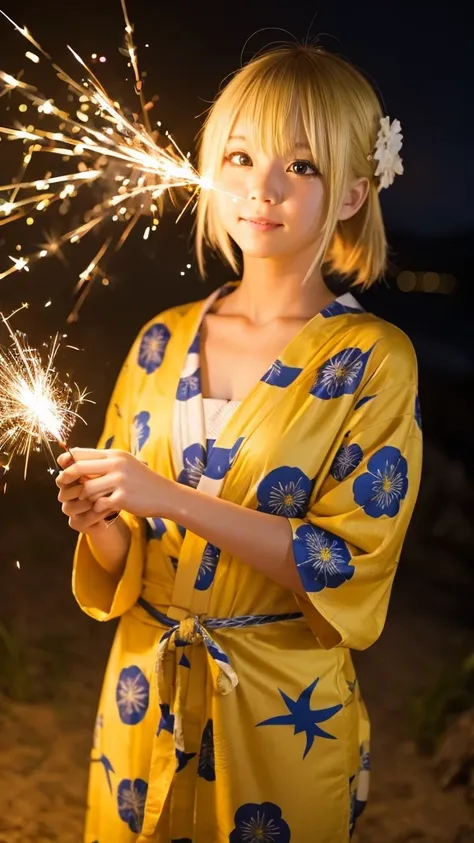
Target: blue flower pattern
x=280, y=375
x=109, y=442
x=341, y=374
x=152, y=347
x=207, y=568
x=131, y=799
x=346, y=461
x=381, y=489
x=132, y=695
x=141, y=428
x=189, y=386
x=220, y=460
x=194, y=462
x=259, y=824
x=323, y=559
x=337, y=308
x=284, y=491
x=157, y=527
x=206, y=761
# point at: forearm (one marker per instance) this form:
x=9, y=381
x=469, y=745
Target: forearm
x=110, y=544
x=261, y=540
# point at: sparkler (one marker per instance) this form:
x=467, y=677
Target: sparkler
x=119, y=154
x=36, y=408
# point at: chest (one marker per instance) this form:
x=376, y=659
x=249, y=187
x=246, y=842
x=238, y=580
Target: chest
x=234, y=357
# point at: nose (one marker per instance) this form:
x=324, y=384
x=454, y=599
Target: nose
x=264, y=187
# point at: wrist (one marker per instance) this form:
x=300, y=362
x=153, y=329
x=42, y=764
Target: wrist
x=170, y=500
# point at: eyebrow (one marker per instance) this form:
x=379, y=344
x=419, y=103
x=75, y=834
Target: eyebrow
x=243, y=138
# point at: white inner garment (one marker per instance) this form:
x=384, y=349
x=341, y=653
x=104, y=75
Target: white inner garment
x=217, y=411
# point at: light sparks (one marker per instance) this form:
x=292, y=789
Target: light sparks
x=129, y=163
x=36, y=408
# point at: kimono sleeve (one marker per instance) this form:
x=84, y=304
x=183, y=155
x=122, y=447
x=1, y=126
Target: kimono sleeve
x=347, y=548
x=97, y=591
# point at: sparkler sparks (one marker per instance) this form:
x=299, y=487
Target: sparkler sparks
x=36, y=408
x=120, y=155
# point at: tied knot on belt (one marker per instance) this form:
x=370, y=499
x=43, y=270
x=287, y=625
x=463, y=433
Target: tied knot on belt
x=190, y=631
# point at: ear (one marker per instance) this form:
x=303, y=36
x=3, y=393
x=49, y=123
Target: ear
x=354, y=199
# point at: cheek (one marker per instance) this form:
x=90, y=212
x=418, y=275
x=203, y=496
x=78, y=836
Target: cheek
x=307, y=210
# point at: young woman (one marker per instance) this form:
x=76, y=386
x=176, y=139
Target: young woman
x=263, y=450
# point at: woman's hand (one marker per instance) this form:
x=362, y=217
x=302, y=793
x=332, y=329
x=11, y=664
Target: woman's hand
x=113, y=480
x=79, y=510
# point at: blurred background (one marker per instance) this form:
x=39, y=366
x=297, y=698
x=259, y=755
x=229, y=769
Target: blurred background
x=418, y=679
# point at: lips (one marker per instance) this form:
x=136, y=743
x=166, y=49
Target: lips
x=261, y=223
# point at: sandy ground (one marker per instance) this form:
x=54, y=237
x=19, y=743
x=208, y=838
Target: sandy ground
x=44, y=745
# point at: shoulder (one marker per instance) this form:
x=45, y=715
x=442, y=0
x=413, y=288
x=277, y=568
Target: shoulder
x=387, y=346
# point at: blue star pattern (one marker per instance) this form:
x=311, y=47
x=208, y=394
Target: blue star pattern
x=109, y=442
x=341, y=374
x=141, y=428
x=259, y=824
x=284, y=491
x=323, y=559
x=280, y=375
x=380, y=490
x=206, y=762
x=194, y=462
x=108, y=769
x=303, y=718
x=189, y=386
x=346, y=461
x=152, y=347
x=418, y=412
x=336, y=308
x=167, y=719
x=132, y=695
x=207, y=568
x=131, y=799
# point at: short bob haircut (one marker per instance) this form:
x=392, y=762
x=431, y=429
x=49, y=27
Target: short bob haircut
x=340, y=114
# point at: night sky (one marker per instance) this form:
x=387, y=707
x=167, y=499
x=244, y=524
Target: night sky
x=420, y=59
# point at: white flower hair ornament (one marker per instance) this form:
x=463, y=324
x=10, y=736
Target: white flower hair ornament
x=386, y=152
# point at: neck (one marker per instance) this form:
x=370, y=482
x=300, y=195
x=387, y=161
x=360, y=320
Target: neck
x=271, y=291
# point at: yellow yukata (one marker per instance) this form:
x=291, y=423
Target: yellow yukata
x=230, y=711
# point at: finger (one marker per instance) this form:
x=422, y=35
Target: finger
x=70, y=493
x=99, y=486
x=79, y=469
x=107, y=505
x=64, y=460
x=81, y=454
x=73, y=508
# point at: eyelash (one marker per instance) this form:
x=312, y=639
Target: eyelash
x=314, y=171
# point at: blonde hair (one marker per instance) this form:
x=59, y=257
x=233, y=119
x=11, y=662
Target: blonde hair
x=340, y=114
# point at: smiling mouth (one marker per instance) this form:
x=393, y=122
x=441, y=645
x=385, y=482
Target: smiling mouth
x=261, y=224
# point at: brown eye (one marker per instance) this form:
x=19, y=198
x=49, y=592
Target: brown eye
x=240, y=159
x=303, y=168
